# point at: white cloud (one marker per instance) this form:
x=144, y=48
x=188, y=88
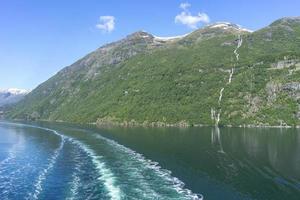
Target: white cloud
x=192, y=21
x=185, y=6
x=107, y=24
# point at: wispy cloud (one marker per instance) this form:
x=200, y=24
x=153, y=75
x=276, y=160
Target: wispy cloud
x=186, y=18
x=106, y=24
x=185, y=6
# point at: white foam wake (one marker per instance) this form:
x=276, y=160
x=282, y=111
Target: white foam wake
x=164, y=174
x=75, y=184
x=105, y=175
x=43, y=174
x=74, y=187
x=8, y=177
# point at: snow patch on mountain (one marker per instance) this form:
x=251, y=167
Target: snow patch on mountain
x=221, y=25
x=227, y=25
x=171, y=37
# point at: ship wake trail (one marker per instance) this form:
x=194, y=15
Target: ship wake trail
x=137, y=166
x=75, y=184
x=216, y=114
x=105, y=175
x=9, y=178
x=43, y=174
x=136, y=177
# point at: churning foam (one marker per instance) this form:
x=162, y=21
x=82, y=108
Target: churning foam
x=165, y=174
x=105, y=175
x=43, y=174
x=75, y=182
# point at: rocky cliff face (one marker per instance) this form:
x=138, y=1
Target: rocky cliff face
x=293, y=89
x=244, y=77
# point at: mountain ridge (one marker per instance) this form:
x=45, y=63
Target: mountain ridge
x=143, y=80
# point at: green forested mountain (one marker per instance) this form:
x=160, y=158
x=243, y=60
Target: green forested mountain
x=219, y=74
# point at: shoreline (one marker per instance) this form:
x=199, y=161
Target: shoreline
x=178, y=125
x=191, y=126
x=134, y=124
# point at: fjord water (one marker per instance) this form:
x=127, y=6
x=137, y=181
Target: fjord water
x=64, y=161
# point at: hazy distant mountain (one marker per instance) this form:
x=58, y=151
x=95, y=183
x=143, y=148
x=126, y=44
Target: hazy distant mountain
x=218, y=74
x=11, y=96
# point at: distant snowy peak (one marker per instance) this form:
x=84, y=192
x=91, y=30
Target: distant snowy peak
x=227, y=25
x=14, y=91
x=11, y=96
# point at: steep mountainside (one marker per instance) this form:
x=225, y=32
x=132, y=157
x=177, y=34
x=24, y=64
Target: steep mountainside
x=219, y=74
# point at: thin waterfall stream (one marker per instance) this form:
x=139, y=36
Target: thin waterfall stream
x=216, y=115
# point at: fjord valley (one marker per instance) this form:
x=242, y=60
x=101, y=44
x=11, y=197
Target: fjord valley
x=112, y=113
x=219, y=74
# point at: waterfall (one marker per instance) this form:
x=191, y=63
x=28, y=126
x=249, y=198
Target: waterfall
x=220, y=96
x=240, y=42
x=217, y=115
x=230, y=75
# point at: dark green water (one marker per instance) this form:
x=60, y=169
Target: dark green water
x=63, y=161
x=229, y=163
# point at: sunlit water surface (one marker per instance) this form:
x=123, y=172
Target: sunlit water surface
x=66, y=161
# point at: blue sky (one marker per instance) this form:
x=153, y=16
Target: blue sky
x=38, y=38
